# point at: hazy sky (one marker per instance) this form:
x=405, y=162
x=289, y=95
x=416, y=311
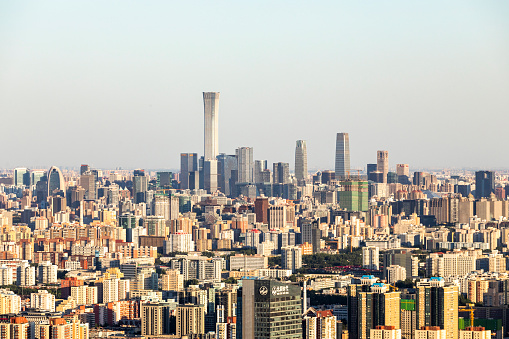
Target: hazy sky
x=119, y=83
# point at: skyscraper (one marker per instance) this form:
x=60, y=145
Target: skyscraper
x=140, y=186
x=188, y=164
x=36, y=176
x=382, y=163
x=281, y=173
x=55, y=180
x=259, y=167
x=301, y=160
x=21, y=176
x=211, y=136
x=484, y=184
x=245, y=164
x=342, y=155
x=210, y=175
x=227, y=173
x=402, y=169
x=211, y=140
x=269, y=309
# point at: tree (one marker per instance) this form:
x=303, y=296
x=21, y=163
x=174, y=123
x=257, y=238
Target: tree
x=316, y=298
x=230, y=280
x=208, y=254
x=190, y=282
x=274, y=261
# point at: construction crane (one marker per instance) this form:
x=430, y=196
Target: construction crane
x=469, y=308
x=394, y=287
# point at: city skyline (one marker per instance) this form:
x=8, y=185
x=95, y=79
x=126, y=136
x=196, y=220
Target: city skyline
x=384, y=74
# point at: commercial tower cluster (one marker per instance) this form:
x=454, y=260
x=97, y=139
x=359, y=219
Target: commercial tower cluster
x=238, y=173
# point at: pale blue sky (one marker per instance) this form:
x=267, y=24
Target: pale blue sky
x=119, y=83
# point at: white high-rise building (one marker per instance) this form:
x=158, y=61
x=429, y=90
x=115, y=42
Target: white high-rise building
x=25, y=275
x=179, y=242
x=211, y=140
x=211, y=136
x=42, y=301
x=245, y=164
x=47, y=273
x=111, y=289
x=395, y=273
x=84, y=295
x=301, y=160
x=370, y=258
x=342, y=155
x=6, y=274
x=291, y=258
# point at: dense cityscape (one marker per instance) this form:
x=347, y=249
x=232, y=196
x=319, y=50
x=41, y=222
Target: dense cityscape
x=229, y=247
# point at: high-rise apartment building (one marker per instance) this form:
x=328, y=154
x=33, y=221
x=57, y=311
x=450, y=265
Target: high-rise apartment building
x=17, y=328
x=484, y=184
x=371, y=306
x=370, y=258
x=190, y=320
x=25, y=274
x=172, y=280
x=382, y=163
x=47, y=273
x=319, y=324
x=155, y=319
x=437, y=305
x=9, y=302
x=245, y=165
x=301, y=160
x=42, y=301
x=269, y=309
x=291, y=258
x=342, y=156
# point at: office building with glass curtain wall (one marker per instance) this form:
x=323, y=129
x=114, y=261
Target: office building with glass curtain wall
x=269, y=309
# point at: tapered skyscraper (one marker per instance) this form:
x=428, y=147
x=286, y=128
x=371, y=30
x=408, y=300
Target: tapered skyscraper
x=382, y=163
x=301, y=160
x=211, y=137
x=342, y=155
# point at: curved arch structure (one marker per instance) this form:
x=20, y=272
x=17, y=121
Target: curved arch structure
x=55, y=180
